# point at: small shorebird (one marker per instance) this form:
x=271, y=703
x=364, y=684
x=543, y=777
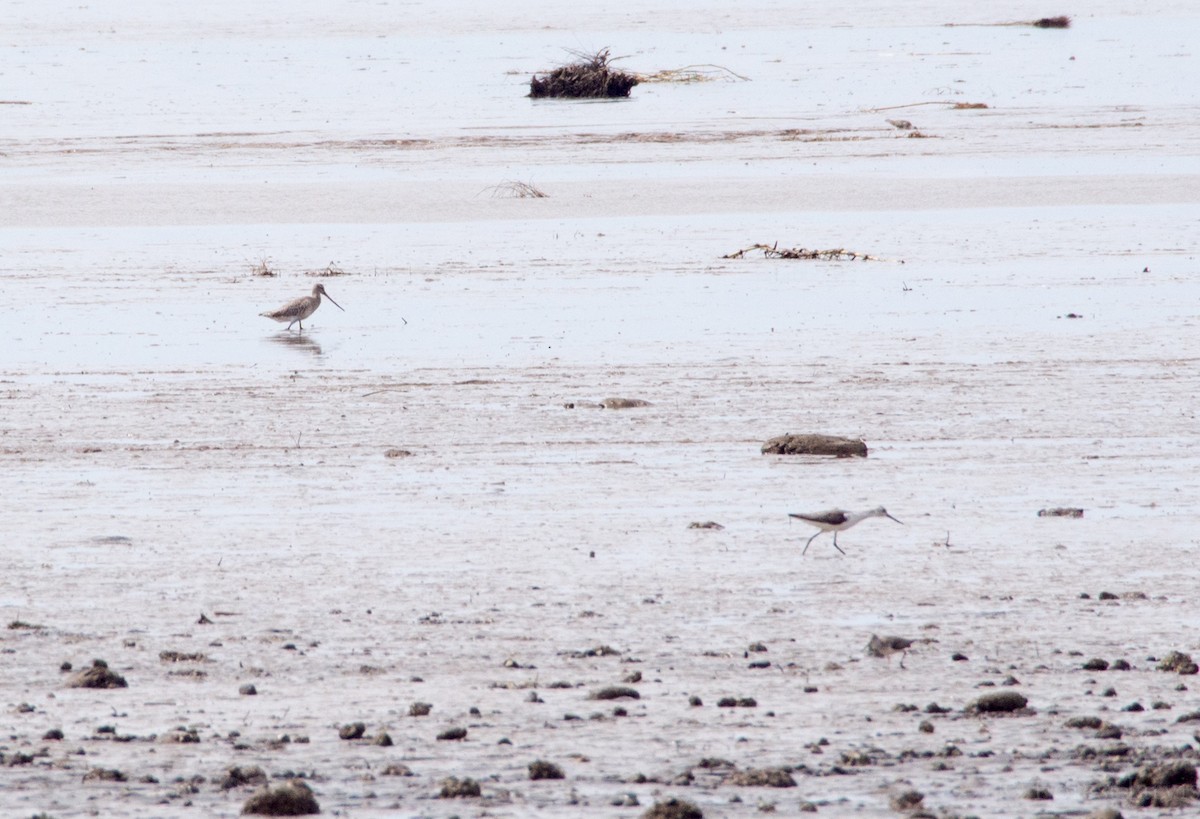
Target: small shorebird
x=295, y=312
x=837, y=520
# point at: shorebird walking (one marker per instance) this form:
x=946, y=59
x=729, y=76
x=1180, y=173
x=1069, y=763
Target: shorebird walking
x=295, y=312
x=837, y=520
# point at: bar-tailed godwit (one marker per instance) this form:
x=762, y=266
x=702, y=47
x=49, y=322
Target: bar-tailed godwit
x=837, y=520
x=295, y=312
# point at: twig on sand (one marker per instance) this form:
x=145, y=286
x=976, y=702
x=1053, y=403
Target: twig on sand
x=1061, y=21
x=833, y=254
x=955, y=106
x=706, y=72
x=511, y=189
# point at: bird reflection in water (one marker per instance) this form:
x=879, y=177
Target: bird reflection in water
x=297, y=342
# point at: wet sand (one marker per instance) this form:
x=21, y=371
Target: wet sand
x=418, y=500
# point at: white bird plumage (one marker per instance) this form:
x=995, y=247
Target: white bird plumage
x=837, y=520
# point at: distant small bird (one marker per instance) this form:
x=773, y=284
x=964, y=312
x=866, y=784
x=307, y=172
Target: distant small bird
x=837, y=520
x=295, y=312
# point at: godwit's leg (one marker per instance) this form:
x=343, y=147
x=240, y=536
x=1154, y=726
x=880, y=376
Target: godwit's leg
x=810, y=540
x=839, y=548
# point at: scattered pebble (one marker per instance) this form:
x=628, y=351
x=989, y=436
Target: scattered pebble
x=540, y=769
x=907, y=800
x=353, y=730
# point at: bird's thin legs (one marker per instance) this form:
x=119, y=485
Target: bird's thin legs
x=810, y=540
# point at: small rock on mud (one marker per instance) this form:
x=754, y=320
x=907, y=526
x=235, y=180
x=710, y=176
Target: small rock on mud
x=238, y=775
x=674, y=809
x=1178, y=662
x=623, y=403
x=1061, y=512
x=293, y=799
x=541, y=769
x=905, y=801
x=354, y=730
x=1000, y=702
x=98, y=676
x=455, y=788
x=615, y=692
x=812, y=444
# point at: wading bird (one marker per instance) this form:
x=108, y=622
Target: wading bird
x=295, y=312
x=837, y=520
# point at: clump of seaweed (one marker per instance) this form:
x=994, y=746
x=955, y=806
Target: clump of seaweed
x=590, y=77
x=1061, y=21
x=776, y=252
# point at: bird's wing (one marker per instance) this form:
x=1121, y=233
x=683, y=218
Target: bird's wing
x=834, y=517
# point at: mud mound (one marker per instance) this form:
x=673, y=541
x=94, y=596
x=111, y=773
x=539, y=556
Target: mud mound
x=292, y=799
x=815, y=445
x=98, y=676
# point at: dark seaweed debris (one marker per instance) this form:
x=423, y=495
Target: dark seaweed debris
x=589, y=78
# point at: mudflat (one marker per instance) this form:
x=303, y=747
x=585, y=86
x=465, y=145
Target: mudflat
x=425, y=514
